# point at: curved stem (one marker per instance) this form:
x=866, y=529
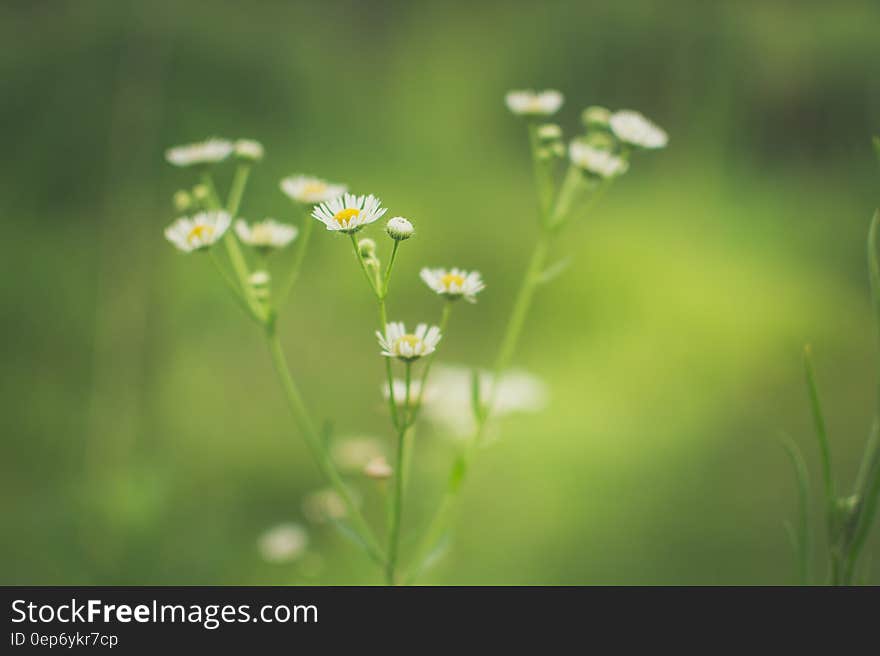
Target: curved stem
x=318, y=449
x=387, y=277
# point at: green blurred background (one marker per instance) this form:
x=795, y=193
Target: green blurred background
x=145, y=440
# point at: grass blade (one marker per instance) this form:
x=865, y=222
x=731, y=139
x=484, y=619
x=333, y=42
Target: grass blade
x=800, y=538
x=821, y=433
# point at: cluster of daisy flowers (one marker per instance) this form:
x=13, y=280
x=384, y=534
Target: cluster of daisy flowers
x=458, y=401
x=604, y=149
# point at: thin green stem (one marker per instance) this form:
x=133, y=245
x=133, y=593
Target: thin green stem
x=301, y=249
x=313, y=440
x=232, y=285
x=387, y=277
x=397, y=499
x=371, y=278
x=236, y=257
x=389, y=374
x=543, y=175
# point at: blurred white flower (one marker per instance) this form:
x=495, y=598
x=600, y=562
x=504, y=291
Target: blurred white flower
x=631, y=127
x=266, y=234
x=349, y=213
x=597, y=161
x=448, y=397
x=198, y=232
x=323, y=505
x=532, y=103
x=353, y=453
x=378, y=469
x=398, y=386
x=399, y=228
x=309, y=190
x=454, y=283
x=203, y=152
x=397, y=343
x=248, y=149
x=283, y=543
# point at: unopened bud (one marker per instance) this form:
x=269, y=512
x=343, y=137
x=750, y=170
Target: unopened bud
x=596, y=117
x=249, y=150
x=367, y=247
x=399, y=228
x=549, y=132
x=200, y=193
x=182, y=200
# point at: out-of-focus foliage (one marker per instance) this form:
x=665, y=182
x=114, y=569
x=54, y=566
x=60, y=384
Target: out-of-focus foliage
x=144, y=438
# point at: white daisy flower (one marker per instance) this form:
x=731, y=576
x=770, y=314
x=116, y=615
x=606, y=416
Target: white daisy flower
x=397, y=343
x=197, y=232
x=454, y=283
x=266, y=234
x=448, y=399
x=596, y=160
x=353, y=453
x=248, y=149
x=531, y=103
x=283, y=543
x=378, y=469
x=398, y=386
x=349, y=213
x=210, y=151
x=310, y=190
x=631, y=127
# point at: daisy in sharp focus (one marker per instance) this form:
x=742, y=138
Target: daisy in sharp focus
x=596, y=160
x=454, y=283
x=397, y=343
x=197, y=232
x=631, y=127
x=534, y=103
x=349, y=213
x=209, y=151
x=309, y=190
x=265, y=235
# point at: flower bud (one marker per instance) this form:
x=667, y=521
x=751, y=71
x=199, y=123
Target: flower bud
x=399, y=228
x=259, y=278
x=549, y=132
x=182, y=200
x=367, y=247
x=596, y=117
x=200, y=193
x=249, y=150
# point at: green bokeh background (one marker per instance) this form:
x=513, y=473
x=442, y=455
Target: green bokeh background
x=145, y=440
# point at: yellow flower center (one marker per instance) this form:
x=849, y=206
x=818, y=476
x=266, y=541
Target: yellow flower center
x=450, y=279
x=412, y=340
x=200, y=232
x=344, y=217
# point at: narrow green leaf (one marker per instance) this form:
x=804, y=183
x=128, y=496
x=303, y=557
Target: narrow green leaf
x=876, y=141
x=821, y=436
x=457, y=474
x=800, y=538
